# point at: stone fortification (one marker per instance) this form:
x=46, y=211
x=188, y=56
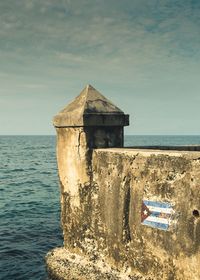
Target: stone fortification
x=126, y=213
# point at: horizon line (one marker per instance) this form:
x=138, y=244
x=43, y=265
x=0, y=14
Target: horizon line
x=124, y=135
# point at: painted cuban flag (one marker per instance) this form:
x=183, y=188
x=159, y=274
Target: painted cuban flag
x=157, y=214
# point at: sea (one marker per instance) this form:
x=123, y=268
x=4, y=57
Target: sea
x=29, y=200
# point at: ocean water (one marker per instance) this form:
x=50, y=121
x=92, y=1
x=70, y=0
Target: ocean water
x=161, y=140
x=29, y=200
x=29, y=205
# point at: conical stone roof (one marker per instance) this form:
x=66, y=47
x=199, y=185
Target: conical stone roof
x=90, y=108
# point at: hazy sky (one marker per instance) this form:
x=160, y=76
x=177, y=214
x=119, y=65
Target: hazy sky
x=144, y=55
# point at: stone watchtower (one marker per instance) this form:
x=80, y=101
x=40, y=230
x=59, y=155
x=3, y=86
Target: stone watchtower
x=126, y=213
x=90, y=121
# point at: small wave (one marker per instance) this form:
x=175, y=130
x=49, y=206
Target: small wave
x=46, y=172
x=31, y=169
x=29, y=183
x=12, y=252
x=32, y=148
x=17, y=170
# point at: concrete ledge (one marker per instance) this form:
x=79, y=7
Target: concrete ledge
x=177, y=148
x=154, y=150
x=64, y=265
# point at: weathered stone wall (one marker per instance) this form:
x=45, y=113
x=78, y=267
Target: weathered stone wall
x=78, y=191
x=125, y=177
x=105, y=223
x=74, y=171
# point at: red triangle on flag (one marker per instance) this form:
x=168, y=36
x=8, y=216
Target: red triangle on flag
x=145, y=212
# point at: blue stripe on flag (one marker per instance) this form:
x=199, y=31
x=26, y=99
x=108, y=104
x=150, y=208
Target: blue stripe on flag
x=157, y=204
x=155, y=225
x=158, y=214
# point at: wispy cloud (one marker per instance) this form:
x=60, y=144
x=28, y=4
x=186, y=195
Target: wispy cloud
x=124, y=44
x=99, y=27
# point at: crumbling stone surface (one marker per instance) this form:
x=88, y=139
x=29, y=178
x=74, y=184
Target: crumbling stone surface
x=65, y=265
x=107, y=223
x=126, y=177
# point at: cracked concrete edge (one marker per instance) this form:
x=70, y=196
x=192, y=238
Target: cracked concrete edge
x=132, y=151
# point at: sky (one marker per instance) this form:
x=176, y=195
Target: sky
x=143, y=55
